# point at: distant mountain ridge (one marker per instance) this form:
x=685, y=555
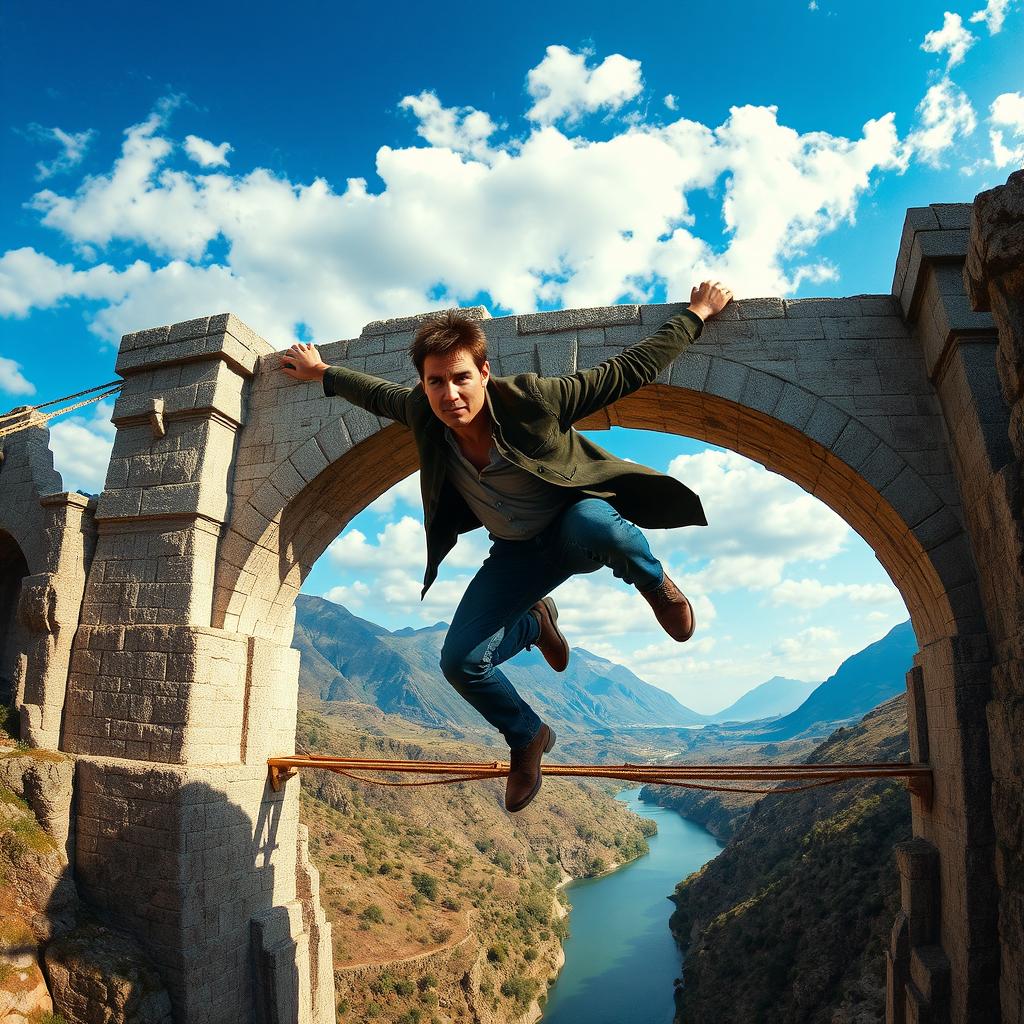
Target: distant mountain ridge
x=345, y=657
x=771, y=699
x=862, y=682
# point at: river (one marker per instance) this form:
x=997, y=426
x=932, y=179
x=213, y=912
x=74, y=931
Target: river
x=620, y=957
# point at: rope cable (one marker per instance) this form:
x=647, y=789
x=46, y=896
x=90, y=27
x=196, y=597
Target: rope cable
x=806, y=776
x=25, y=418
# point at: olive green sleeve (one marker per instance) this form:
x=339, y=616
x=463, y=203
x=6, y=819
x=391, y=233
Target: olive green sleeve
x=579, y=394
x=376, y=395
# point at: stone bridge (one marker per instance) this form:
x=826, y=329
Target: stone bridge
x=149, y=629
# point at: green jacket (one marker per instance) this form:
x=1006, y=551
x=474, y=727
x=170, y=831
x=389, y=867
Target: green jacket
x=533, y=418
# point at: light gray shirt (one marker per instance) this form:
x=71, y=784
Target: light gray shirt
x=511, y=503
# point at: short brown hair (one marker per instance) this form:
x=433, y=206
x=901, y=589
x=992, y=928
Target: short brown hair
x=445, y=332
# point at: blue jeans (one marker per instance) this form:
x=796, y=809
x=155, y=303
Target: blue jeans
x=492, y=622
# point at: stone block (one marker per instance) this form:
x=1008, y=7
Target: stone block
x=189, y=329
x=794, y=406
x=843, y=328
x=658, y=313
x=879, y=305
x=369, y=345
x=881, y=467
x=165, y=499
x=500, y=327
x=574, y=319
x=732, y=335
x=938, y=527
x=518, y=363
x=690, y=370
x=402, y=324
x=786, y=329
x=799, y=308
x=557, y=355
x=119, y=503
x=726, y=379
x=760, y=309
x=825, y=423
x=399, y=343
x=854, y=444
x=953, y=216
x=591, y=337
x=761, y=392
x=911, y=497
x=360, y=424
x=387, y=362
x=953, y=561
x=308, y=462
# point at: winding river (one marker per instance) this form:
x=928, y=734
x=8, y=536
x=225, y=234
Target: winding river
x=620, y=957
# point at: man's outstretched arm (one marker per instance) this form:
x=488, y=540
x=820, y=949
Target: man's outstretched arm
x=577, y=395
x=376, y=395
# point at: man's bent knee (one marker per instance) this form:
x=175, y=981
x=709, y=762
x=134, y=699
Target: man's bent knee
x=460, y=667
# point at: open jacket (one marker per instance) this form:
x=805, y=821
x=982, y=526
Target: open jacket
x=532, y=420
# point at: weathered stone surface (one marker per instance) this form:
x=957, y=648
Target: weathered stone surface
x=101, y=976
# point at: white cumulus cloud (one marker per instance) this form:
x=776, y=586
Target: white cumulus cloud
x=953, y=38
x=1007, y=131
x=81, y=446
x=745, y=550
x=205, y=153
x=73, y=147
x=12, y=380
x=563, y=87
x=945, y=114
x=460, y=129
x=993, y=14
x=809, y=593
x=527, y=222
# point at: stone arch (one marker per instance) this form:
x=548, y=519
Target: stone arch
x=807, y=439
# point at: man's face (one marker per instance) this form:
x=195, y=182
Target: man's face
x=455, y=385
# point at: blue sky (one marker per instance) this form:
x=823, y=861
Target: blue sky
x=315, y=170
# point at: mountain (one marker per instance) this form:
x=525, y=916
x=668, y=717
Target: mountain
x=789, y=922
x=345, y=657
x=777, y=696
x=862, y=681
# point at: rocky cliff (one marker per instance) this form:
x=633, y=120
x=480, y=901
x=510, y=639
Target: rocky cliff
x=788, y=923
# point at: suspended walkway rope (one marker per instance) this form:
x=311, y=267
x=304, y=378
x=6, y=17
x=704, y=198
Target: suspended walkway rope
x=29, y=415
x=917, y=777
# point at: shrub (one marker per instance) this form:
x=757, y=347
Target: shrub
x=497, y=953
x=521, y=989
x=425, y=884
x=373, y=913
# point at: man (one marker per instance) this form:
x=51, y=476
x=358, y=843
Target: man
x=502, y=452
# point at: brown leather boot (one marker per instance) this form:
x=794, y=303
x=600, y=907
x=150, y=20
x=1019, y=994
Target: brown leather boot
x=524, y=777
x=551, y=641
x=672, y=609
